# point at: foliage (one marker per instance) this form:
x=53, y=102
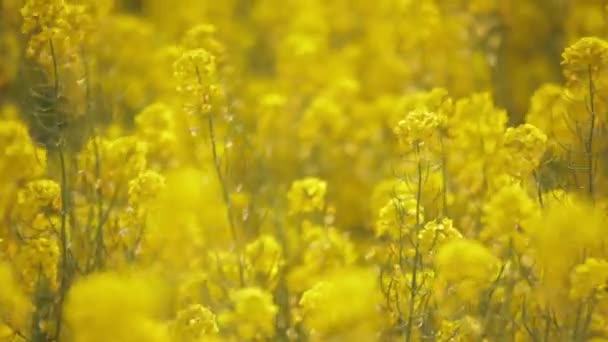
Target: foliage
x=261, y=170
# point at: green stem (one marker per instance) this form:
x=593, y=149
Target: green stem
x=414, y=280
x=589, y=146
x=226, y=196
x=224, y=188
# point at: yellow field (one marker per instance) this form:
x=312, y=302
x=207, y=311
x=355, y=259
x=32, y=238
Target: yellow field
x=303, y=170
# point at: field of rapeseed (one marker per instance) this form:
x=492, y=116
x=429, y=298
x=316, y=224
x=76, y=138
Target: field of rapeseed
x=303, y=170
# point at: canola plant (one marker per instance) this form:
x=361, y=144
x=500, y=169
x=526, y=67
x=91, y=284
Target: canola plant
x=303, y=170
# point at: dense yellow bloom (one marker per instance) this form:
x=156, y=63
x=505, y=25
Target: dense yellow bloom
x=397, y=218
x=37, y=198
x=21, y=159
x=323, y=116
x=589, y=279
x=525, y=146
x=575, y=230
x=253, y=314
x=156, y=125
x=329, y=310
x=205, y=36
x=196, y=74
x=194, y=322
x=465, y=268
x=109, y=306
x=506, y=212
x=307, y=196
x=418, y=126
x=14, y=305
x=114, y=161
x=179, y=232
x=119, y=69
x=42, y=13
x=476, y=127
x=319, y=170
x=38, y=261
x=587, y=58
x=56, y=29
x=266, y=258
x=466, y=259
x=145, y=187
x=436, y=233
x=324, y=249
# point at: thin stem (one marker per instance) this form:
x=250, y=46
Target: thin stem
x=547, y=332
x=55, y=70
x=225, y=194
x=419, y=183
x=589, y=145
x=63, y=287
x=539, y=190
x=577, y=319
x=218, y=170
x=64, y=263
x=99, y=238
x=588, y=317
x=37, y=333
x=444, y=177
x=414, y=280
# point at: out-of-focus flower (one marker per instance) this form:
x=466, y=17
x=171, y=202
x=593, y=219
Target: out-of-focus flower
x=253, y=314
x=307, y=196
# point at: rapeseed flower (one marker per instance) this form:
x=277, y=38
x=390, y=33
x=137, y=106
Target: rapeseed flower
x=318, y=170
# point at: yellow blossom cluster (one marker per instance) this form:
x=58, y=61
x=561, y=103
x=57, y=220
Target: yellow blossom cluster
x=304, y=170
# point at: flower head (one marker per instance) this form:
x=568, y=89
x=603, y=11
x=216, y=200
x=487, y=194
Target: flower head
x=585, y=58
x=196, y=74
x=418, y=126
x=253, y=314
x=525, y=146
x=307, y=195
x=194, y=322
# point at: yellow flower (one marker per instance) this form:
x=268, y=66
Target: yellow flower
x=418, y=126
x=589, y=279
x=329, y=310
x=118, y=161
x=156, y=125
x=323, y=249
x=40, y=194
x=465, y=268
x=506, y=212
x=397, y=218
x=587, y=57
x=204, y=36
x=56, y=22
x=108, y=306
x=20, y=159
x=145, y=187
x=550, y=111
x=436, y=233
x=323, y=116
x=306, y=196
x=196, y=74
x=562, y=235
x=15, y=307
x=524, y=146
x=38, y=261
x=265, y=256
x=253, y=314
x=194, y=322
x=37, y=207
x=466, y=259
